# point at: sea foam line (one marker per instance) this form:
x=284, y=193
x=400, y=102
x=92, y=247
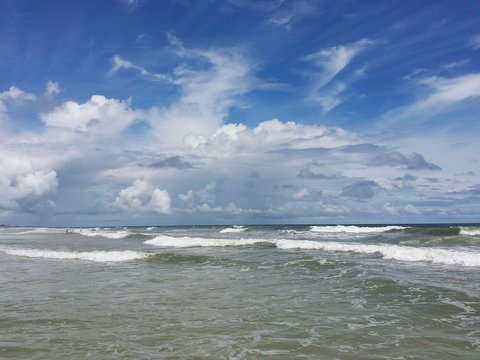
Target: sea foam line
x=97, y=256
x=234, y=229
x=387, y=251
x=111, y=234
x=354, y=229
x=472, y=231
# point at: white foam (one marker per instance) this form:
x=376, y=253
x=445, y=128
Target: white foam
x=43, y=231
x=387, y=251
x=97, y=256
x=394, y=252
x=470, y=231
x=169, y=241
x=354, y=229
x=111, y=234
x=234, y=229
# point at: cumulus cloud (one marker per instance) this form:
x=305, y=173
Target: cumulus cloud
x=98, y=116
x=141, y=196
x=20, y=181
x=16, y=94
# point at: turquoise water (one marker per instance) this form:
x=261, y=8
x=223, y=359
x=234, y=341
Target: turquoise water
x=258, y=292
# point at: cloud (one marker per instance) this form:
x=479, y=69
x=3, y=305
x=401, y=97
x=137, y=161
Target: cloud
x=309, y=174
x=331, y=62
x=22, y=182
x=413, y=162
x=406, y=177
x=474, y=42
x=17, y=95
x=142, y=196
x=52, y=89
x=334, y=59
x=272, y=171
x=361, y=190
x=122, y=64
x=98, y=116
x=175, y=161
x=440, y=95
x=287, y=13
x=209, y=81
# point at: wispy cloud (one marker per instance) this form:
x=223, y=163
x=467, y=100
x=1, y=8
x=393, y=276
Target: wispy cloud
x=120, y=63
x=287, y=13
x=325, y=89
x=440, y=94
x=474, y=42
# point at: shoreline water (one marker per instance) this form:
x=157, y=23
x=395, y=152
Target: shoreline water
x=310, y=291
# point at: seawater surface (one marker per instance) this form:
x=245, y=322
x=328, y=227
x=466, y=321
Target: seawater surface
x=241, y=292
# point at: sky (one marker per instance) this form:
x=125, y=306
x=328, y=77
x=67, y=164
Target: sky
x=143, y=112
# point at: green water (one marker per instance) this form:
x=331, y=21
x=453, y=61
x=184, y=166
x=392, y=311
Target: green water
x=243, y=302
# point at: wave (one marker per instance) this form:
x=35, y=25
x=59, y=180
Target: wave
x=169, y=241
x=97, y=256
x=394, y=252
x=470, y=231
x=387, y=251
x=172, y=258
x=234, y=229
x=111, y=234
x=354, y=229
x=42, y=231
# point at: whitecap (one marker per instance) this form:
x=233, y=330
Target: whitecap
x=354, y=229
x=234, y=229
x=111, y=234
x=169, y=241
x=97, y=256
x=387, y=251
x=470, y=231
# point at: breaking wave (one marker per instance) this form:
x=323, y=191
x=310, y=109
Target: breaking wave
x=354, y=229
x=470, y=231
x=234, y=229
x=387, y=251
x=97, y=256
x=169, y=241
x=111, y=234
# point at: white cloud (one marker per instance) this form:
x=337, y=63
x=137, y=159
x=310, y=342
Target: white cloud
x=440, y=95
x=16, y=94
x=20, y=180
x=335, y=59
x=122, y=64
x=143, y=197
x=206, y=94
x=331, y=62
x=52, y=89
x=98, y=116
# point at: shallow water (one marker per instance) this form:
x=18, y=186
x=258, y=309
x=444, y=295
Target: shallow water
x=277, y=292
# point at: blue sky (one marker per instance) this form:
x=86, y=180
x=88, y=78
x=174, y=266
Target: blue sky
x=215, y=112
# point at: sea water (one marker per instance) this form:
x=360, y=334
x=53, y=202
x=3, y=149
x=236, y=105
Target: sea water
x=241, y=292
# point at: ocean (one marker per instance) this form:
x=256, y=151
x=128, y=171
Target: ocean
x=241, y=292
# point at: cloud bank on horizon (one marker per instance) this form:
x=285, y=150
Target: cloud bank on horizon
x=182, y=112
